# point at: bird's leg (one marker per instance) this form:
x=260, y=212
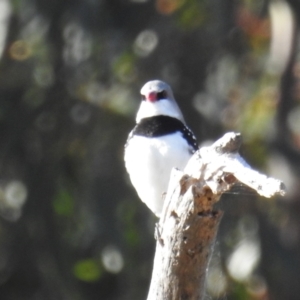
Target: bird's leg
x=157, y=234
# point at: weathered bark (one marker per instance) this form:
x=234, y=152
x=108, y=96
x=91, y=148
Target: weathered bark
x=189, y=222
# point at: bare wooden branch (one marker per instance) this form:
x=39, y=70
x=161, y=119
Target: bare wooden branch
x=230, y=162
x=189, y=223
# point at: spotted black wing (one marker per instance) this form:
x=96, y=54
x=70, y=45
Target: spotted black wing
x=190, y=138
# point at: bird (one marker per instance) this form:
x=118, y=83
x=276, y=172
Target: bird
x=159, y=142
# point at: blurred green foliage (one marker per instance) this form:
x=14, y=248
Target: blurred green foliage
x=87, y=270
x=63, y=203
x=70, y=76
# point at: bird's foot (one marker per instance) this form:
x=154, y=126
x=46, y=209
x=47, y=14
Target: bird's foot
x=157, y=234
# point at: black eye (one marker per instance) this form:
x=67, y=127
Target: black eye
x=161, y=95
x=143, y=97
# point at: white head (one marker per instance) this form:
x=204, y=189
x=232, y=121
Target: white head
x=158, y=99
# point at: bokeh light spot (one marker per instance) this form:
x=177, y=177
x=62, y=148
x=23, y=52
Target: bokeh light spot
x=87, y=270
x=80, y=113
x=145, y=42
x=216, y=281
x=20, y=50
x=167, y=7
x=78, y=44
x=63, y=203
x=43, y=75
x=244, y=259
x=112, y=259
x=15, y=194
x=94, y=92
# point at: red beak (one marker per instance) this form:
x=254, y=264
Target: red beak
x=152, y=97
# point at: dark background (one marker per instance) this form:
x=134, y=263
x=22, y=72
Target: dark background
x=71, y=225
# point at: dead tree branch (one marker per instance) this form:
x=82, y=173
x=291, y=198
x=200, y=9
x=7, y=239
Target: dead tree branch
x=189, y=222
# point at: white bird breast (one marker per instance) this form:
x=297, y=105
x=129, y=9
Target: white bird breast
x=149, y=162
